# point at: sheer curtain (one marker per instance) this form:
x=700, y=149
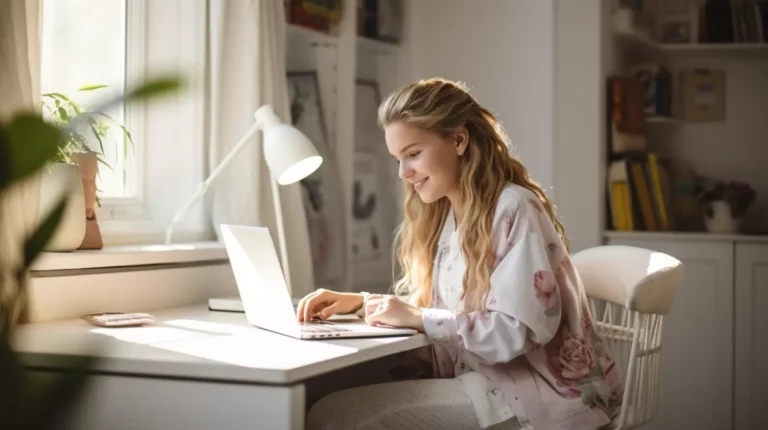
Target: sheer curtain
x=247, y=41
x=19, y=91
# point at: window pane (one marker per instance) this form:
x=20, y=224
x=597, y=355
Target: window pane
x=84, y=42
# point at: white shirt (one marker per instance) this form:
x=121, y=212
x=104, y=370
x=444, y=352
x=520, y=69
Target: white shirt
x=488, y=401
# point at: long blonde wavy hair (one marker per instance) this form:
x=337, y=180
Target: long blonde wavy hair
x=486, y=167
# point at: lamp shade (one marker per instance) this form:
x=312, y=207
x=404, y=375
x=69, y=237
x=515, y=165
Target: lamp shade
x=290, y=155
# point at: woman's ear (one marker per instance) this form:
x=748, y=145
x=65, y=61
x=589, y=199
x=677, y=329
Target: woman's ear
x=462, y=140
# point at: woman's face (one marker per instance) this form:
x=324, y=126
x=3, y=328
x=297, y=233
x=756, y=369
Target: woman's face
x=428, y=161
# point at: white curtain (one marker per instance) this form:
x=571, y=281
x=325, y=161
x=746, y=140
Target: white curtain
x=247, y=40
x=19, y=91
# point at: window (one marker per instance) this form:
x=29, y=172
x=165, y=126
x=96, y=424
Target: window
x=84, y=43
x=122, y=43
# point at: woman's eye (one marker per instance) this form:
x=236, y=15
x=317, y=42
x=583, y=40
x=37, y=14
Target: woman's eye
x=413, y=154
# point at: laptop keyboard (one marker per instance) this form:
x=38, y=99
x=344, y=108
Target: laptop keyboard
x=318, y=326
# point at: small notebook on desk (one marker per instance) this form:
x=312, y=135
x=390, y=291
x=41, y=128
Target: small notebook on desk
x=228, y=304
x=232, y=304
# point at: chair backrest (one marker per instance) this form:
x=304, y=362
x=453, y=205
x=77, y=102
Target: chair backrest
x=630, y=289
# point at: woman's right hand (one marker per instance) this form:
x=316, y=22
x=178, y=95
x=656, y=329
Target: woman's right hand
x=323, y=304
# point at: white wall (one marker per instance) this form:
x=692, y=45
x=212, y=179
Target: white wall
x=504, y=51
x=579, y=105
x=537, y=65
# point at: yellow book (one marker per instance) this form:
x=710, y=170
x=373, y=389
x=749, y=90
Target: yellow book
x=656, y=188
x=627, y=200
x=617, y=206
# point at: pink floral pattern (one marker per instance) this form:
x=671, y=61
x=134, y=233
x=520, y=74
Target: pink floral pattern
x=570, y=358
x=559, y=343
x=471, y=320
x=507, y=226
x=546, y=290
x=536, y=204
x=491, y=299
x=587, y=319
x=612, y=376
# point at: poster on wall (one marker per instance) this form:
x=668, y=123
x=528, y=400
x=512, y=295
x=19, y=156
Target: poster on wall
x=320, y=191
x=368, y=230
x=373, y=205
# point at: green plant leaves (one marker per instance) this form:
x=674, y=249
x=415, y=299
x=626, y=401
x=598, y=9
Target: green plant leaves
x=56, y=396
x=10, y=389
x=153, y=88
x=28, y=143
x=92, y=87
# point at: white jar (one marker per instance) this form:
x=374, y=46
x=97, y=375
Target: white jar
x=721, y=221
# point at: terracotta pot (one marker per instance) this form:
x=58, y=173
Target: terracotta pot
x=89, y=168
x=59, y=180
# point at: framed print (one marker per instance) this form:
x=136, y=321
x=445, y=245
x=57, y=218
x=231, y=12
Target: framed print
x=321, y=191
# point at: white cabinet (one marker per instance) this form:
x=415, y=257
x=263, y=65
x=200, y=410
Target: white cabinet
x=751, y=358
x=696, y=390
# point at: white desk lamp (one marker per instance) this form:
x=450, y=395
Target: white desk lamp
x=290, y=157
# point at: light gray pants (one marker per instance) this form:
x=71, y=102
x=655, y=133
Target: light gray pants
x=409, y=405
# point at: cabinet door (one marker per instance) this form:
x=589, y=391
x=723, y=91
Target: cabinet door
x=751, y=338
x=697, y=338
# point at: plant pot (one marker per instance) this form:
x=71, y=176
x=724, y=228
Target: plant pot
x=59, y=180
x=720, y=221
x=89, y=168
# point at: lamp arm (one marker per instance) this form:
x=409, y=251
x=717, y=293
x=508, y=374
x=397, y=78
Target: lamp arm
x=212, y=177
x=281, y=234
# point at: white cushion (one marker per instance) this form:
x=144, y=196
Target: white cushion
x=640, y=279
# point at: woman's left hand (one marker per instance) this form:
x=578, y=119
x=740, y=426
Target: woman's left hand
x=391, y=311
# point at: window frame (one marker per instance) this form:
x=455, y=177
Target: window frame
x=162, y=37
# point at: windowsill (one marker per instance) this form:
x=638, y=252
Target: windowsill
x=131, y=255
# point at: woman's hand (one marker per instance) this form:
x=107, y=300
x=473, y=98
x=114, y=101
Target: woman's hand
x=323, y=304
x=391, y=311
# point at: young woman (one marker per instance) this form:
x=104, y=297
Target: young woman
x=486, y=276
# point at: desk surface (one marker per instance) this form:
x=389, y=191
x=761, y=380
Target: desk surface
x=196, y=343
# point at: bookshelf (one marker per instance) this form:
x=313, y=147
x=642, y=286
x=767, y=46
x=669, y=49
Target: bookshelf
x=678, y=138
x=736, y=50
x=712, y=327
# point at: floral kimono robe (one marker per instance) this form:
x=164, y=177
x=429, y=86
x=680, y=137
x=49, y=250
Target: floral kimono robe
x=534, y=344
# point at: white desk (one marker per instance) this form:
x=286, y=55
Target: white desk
x=195, y=369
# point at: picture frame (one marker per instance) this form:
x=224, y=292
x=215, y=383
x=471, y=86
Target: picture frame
x=321, y=191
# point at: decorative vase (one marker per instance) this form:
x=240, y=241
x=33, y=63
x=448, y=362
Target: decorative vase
x=720, y=221
x=63, y=179
x=89, y=168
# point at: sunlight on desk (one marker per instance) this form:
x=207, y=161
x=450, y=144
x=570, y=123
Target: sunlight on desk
x=230, y=344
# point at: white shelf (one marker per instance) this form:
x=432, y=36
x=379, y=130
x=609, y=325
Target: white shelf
x=684, y=236
x=660, y=120
x=305, y=36
x=641, y=45
x=717, y=49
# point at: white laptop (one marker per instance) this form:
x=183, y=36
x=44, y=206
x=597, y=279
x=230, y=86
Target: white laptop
x=264, y=293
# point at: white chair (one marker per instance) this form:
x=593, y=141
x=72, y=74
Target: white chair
x=630, y=289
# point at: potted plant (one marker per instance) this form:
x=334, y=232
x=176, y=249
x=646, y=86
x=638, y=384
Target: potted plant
x=75, y=167
x=724, y=205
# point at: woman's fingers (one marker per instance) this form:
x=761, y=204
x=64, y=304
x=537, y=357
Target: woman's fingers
x=308, y=304
x=376, y=309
